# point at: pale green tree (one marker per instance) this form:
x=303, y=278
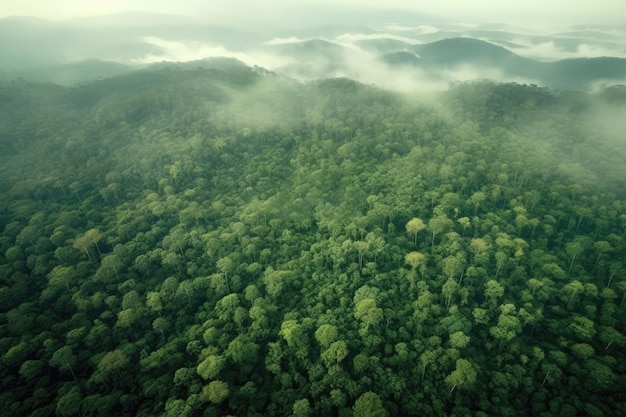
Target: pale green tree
x=463, y=376
x=211, y=366
x=414, y=226
x=367, y=311
x=326, y=334
x=216, y=391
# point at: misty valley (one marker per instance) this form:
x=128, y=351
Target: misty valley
x=335, y=222
x=400, y=57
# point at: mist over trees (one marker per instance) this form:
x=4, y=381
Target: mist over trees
x=423, y=53
x=223, y=240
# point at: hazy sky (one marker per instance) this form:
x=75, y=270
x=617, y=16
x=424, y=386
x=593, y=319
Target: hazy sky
x=270, y=11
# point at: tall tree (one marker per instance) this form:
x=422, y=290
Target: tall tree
x=463, y=376
x=414, y=226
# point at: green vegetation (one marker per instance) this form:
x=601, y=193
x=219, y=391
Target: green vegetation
x=224, y=241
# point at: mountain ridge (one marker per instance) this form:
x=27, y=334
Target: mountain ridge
x=34, y=45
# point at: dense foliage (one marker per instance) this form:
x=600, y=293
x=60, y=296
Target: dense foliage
x=226, y=241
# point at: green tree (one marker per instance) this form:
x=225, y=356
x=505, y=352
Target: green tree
x=160, y=325
x=216, y=392
x=476, y=200
x=493, y=292
x=601, y=374
x=62, y=277
x=64, y=359
x=301, y=408
x=571, y=289
x=448, y=289
x=274, y=281
x=414, y=259
x=153, y=301
x=427, y=357
x=369, y=404
x=508, y=326
x=112, y=362
x=463, y=376
x=90, y=237
x=176, y=408
x=452, y=267
x=582, y=350
x=295, y=336
x=465, y=224
x=367, y=311
x=109, y=264
x=326, y=334
x=335, y=353
x=574, y=249
x=582, y=327
x=226, y=266
x=610, y=336
x=438, y=225
x=459, y=340
x=602, y=247
x=243, y=351
x=211, y=366
x=31, y=368
x=70, y=403
x=414, y=226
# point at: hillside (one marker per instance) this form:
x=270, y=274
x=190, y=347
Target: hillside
x=213, y=239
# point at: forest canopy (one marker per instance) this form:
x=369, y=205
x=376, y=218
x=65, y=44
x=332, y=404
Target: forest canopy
x=221, y=240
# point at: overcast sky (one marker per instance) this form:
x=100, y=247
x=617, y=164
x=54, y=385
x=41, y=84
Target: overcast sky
x=559, y=12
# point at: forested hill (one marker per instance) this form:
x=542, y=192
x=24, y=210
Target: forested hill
x=188, y=241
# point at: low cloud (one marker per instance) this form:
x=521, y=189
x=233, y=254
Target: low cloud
x=349, y=58
x=284, y=41
x=420, y=29
x=368, y=68
x=177, y=51
x=351, y=38
x=550, y=51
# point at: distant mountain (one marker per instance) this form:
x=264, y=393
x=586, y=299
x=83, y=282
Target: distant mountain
x=615, y=95
x=27, y=43
x=70, y=74
x=84, y=49
x=326, y=31
x=27, y=21
x=217, y=63
x=401, y=59
x=311, y=59
x=383, y=45
x=585, y=71
x=149, y=79
x=315, y=47
x=458, y=52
